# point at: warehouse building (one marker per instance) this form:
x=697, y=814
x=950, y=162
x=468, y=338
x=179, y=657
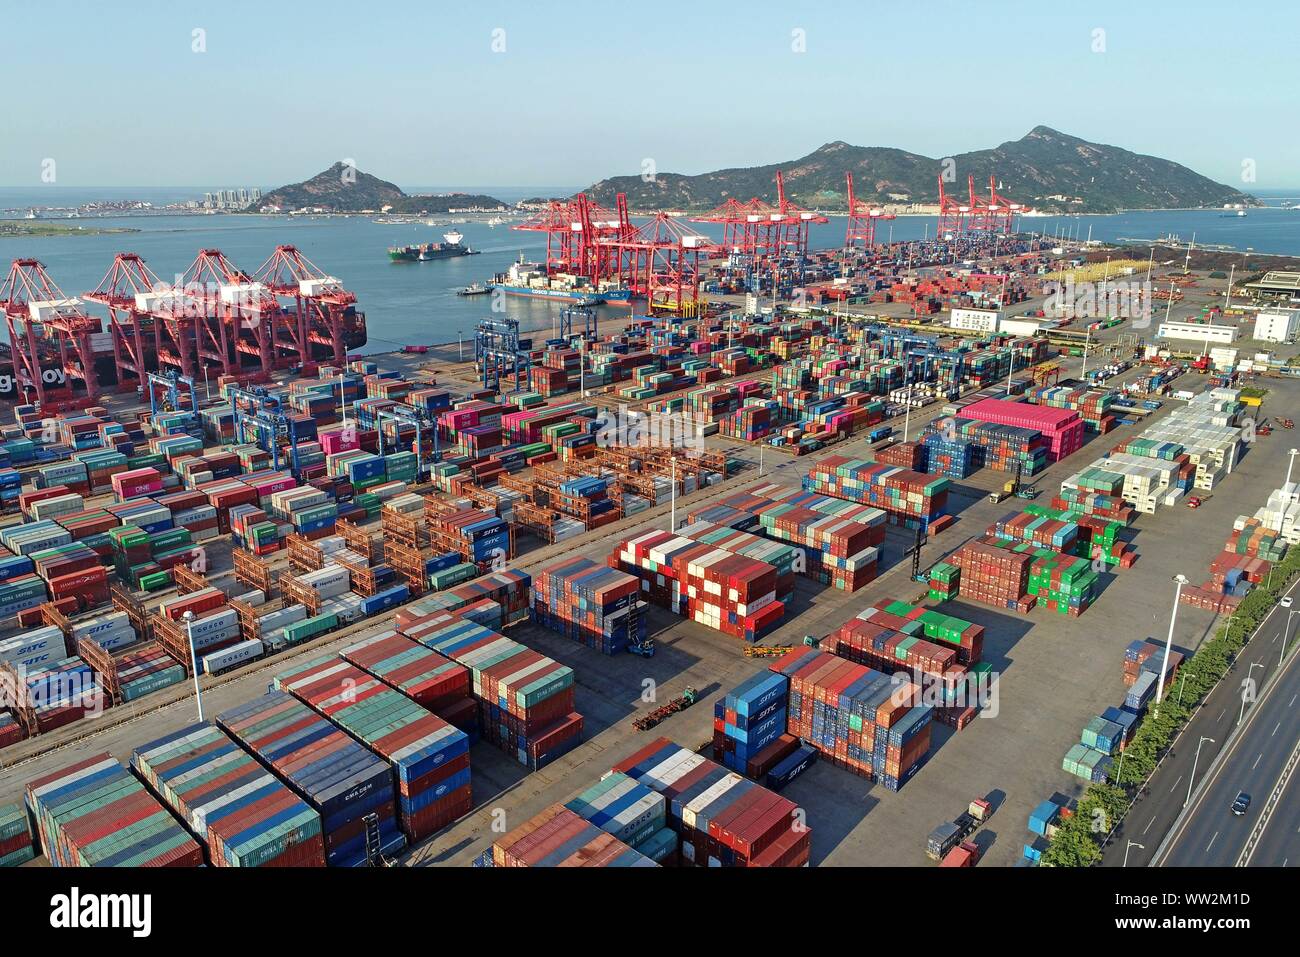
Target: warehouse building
x=1197, y=332
x=1278, y=326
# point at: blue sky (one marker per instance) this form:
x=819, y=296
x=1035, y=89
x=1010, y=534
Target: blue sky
x=414, y=92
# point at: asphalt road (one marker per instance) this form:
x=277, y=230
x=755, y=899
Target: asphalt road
x=1210, y=835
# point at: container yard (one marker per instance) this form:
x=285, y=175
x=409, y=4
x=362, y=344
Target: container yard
x=777, y=567
x=452, y=588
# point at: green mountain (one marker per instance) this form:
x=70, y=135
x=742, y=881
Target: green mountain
x=1046, y=169
x=346, y=189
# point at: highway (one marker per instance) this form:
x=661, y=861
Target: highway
x=1208, y=834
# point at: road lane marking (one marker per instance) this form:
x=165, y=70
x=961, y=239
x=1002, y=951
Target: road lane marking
x=1292, y=701
x=1149, y=823
x=1176, y=783
x=1212, y=840
x=1221, y=714
x=1256, y=764
x=1275, y=727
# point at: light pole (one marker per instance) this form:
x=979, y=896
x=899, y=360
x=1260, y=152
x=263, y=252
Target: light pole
x=1196, y=759
x=460, y=344
x=673, y=499
x=1249, y=671
x=1131, y=845
x=761, y=443
x=1290, y=462
x=1286, y=630
x=1179, y=580
x=1182, y=683
x=343, y=400
x=194, y=662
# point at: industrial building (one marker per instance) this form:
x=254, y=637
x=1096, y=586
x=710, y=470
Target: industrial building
x=1197, y=332
x=1278, y=326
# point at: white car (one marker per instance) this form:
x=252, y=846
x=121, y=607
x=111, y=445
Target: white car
x=1286, y=602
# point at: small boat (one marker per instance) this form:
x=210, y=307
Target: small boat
x=474, y=289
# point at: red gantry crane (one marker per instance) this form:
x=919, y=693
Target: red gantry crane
x=1001, y=212
x=45, y=325
x=132, y=293
x=794, y=222
x=323, y=312
x=952, y=215
x=661, y=262
x=862, y=220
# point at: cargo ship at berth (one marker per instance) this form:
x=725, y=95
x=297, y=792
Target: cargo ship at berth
x=426, y=252
x=531, y=280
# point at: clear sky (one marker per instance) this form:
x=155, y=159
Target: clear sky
x=427, y=92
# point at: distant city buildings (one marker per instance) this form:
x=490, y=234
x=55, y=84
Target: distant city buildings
x=241, y=198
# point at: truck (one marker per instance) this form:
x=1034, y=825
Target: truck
x=875, y=435
x=950, y=834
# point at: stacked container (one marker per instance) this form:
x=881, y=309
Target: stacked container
x=909, y=498
x=592, y=604
x=726, y=592
x=526, y=700
x=859, y=718
x=721, y=819
x=748, y=721
x=94, y=813
x=429, y=757
x=238, y=809
x=631, y=812
x=426, y=677
x=345, y=783
x=557, y=837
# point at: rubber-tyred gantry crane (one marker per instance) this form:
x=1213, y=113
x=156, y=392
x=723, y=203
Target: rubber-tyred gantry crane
x=46, y=326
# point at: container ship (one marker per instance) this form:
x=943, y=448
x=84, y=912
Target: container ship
x=425, y=252
x=531, y=279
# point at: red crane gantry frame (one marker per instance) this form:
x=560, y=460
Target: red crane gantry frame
x=29, y=296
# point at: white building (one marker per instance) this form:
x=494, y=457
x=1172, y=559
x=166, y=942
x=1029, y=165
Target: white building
x=975, y=320
x=1198, y=332
x=1279, y=326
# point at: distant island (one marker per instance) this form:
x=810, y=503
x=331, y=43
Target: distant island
x=345, y=189
x=1050, y=171
x=27, y=228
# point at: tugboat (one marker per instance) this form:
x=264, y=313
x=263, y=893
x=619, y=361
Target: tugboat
x=474, y=289
x=426, y=252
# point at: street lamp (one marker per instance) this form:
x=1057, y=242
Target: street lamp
x=1194, y=762
x=194, y=662
x=1131, y=845
x=1286, y=630
x=1179, y=580
x=1249, y=671
x=1182, y=683
x=673, y=499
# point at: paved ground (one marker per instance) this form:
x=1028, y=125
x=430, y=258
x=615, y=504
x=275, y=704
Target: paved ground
x=1056, y=673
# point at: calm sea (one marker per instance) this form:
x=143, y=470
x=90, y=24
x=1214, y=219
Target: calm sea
x=417, y=302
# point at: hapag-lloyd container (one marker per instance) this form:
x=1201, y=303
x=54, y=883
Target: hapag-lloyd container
x=338, y=777
x=238, y=808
